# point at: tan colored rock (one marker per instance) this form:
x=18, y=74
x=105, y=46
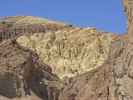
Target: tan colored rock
x=114, y=79
x=128, y=6
x=75, y=51
x=111, y=81
x=97, y=84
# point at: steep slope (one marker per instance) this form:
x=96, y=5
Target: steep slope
x=70, y=52
x=107, y=82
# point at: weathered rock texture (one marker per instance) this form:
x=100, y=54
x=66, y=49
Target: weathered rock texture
x=70, y=52
x=22, y=74
x=98, y=66
x=128, y=6
x=111, y=81
x=104, y=82
x=13, y=27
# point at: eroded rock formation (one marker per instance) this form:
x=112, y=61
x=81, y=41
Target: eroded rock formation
x=99, y=66
x=70, y=52
x=111, y=81
x=23, y=75
x=100, y=83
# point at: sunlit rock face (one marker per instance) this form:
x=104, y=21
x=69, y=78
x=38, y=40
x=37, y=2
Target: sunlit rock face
x=70, y=52
x=68, y=49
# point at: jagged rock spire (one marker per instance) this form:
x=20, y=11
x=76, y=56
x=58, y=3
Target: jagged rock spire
x=128, y=8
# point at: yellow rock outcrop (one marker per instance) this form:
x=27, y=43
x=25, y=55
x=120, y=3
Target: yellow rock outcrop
x=70, y=52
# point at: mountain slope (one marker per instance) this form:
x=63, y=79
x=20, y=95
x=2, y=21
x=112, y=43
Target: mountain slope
x=67, y=51
x=70, y=52
x=114, y=79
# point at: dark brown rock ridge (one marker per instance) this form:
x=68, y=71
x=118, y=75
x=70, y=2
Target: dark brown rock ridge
x=23, y=75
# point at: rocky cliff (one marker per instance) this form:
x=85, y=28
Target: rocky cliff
x=111, y=81
x=70, y=52
x=23, y=75
x=48, y=60
x=64, y=50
